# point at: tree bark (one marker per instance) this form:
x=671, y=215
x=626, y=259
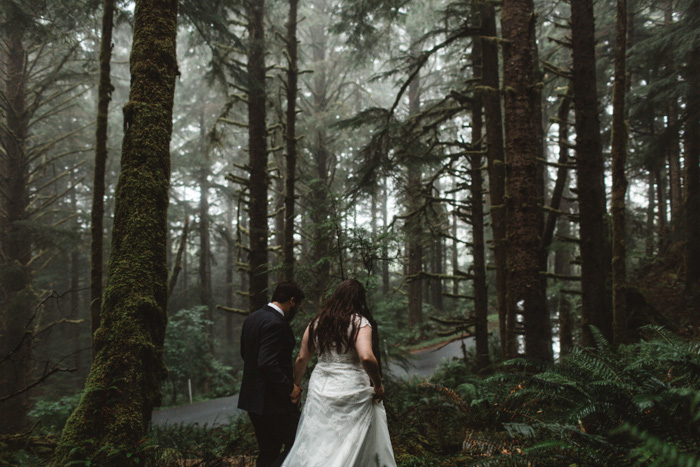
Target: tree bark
x=291, y=141
x=16, y=294
x=385, y=249
x=205, y=287
x=595, y=307
x=124, y=382
x=497, y=172
x=562, y=267
x=692, y=171
x=104, y=96
x=230, y=263
x=323, y=233
x=177, y=266
x=414, y=231
x=619, y=178
x=522, y=150
x=257, y=149
x=674, y=162
x=477, y=220
x=562, y=173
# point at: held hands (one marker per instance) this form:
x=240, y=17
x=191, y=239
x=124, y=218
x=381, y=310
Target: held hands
x=378, y=393
x=295, y=396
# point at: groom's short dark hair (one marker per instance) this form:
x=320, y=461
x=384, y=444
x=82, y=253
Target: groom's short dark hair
x=287, y=290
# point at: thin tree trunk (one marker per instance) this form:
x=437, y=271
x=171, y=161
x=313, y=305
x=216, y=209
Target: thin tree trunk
x=17, y=298
x=692, y=171
x=523, y=149
x=177, y=266
x=230, y=263
x=674, y=162
x=619, y=178
x=497, y=173
x=651, y=210
x=104, y=96
x=662, y=206
x=113, y=416
x=562, y=173
x=414, y=231
x=477, y=220
x=257, y=148
x=590, y=188
x=324, y=233
x=385, y=249
x=291, y=140
x=562, y=267
x=205, y=287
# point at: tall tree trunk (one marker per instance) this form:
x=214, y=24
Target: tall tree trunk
x=436, y=256
x=477, y=220
x=179, y=258
x=497, y=172
x=522, y=149
x=619, y=178
x=692, y=172
x=562, y=173
x=414, y=231
x=662, y=206
x=651, y=210
x=205, y=287
x=277, y=256
x=230, y=263
x=104, y=96
x=124, y=382
x=385, y=249
x=562, y=267
x=590, y=188
x=17, y=298
x=291, y=140
x=674, y=162
x=324, y=235
x=257, y=149
x=75, y=275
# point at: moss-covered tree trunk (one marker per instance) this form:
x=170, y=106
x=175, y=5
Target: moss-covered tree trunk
x=124, y=382
x=17, y=298
x=496, y=170
x=104, y=96
x=619, y=178
x=590, y=189
x=291, y=140
x=522, y=150
x=257, y=151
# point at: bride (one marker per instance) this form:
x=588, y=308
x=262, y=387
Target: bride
x=343, y=423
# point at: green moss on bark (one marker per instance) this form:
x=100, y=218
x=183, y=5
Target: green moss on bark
x=124, y=382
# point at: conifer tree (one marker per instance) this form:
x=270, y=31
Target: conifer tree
x=124, y=382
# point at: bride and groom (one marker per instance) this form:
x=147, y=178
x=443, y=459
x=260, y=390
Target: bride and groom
x=343, y=422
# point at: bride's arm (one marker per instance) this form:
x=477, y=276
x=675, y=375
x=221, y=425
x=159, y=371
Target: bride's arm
x=303, y=359
x=363, y=345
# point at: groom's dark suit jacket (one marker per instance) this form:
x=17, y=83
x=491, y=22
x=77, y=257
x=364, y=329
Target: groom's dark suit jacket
x=267, y=342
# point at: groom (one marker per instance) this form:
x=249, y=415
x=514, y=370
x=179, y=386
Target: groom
x=268, y=392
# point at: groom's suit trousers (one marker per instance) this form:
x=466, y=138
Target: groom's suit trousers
x=272, y=432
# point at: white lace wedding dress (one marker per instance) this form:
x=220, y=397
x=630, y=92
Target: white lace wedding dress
x=341, y=425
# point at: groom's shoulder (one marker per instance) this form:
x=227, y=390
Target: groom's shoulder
x=265, y=314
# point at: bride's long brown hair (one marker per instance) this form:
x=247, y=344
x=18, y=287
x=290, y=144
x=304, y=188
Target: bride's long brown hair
x=329, y=328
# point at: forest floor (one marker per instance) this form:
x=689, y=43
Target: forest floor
x=238, y=461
